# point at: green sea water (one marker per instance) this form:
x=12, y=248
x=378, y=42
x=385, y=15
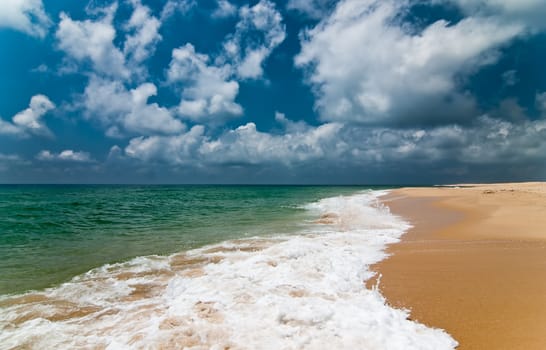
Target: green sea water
x=49, y=234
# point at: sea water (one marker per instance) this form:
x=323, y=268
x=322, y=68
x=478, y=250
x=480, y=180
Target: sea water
x=198, y=267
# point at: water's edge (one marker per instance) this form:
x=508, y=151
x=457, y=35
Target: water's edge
x=301, y=290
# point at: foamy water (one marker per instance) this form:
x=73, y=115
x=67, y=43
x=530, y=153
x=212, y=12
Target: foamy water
x=303, y=291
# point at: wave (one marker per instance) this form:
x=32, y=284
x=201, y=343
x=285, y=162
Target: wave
x=300, y=291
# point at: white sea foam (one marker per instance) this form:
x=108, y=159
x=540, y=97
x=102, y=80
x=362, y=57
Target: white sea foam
x=304, y=291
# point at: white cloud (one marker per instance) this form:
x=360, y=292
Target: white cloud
x=224, y=9
x=315, y=9
x=42, y=68
x=208, y=92
x=540, y=101
x=529, y=13
x=115, y=153
x=144, y=29
x=510, y=77
x=27, y=16
x=289, y=125
x=108, y=97
x=9, y=157
x=66, y=155
x=247, y=53
x=176, y=6
x=125, y=111
x=7, y=128
x=29, y=120
x=243, y=145
x=209, y=88
x=93, y=41
x=484, y=143
x=178, y=149
x=246, y=145
x=365, y=66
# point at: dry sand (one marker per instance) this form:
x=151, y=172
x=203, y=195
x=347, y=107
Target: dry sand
x=474, y=264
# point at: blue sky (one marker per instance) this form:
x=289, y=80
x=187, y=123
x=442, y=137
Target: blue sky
x=297, y=91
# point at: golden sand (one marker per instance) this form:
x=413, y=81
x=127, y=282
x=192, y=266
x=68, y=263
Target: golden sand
x=474, y=264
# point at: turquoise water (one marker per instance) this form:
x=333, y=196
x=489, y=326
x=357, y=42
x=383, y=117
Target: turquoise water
x=304, y=287
x=49, y=234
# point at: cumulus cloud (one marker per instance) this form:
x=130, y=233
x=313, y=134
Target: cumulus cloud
x=29, y=120
x=125, y=111
x=93, y=41
x=289, y=125
x=243, y=49
x=247, y=145
x=42, y=68
x=443, y=149
x=540, y=102
x=173, y=7
x=510, y=77
x=209, y=86
x=370, y=70
x=208, y=93
x=27, y=16
x=243, y=145
x=144, y=33
x=366, y=66
x=529, y=13
x=178, y=149
x=315, y=9
x=66, y=155
x=117, y=94
x=224, y=9
x=7, y=128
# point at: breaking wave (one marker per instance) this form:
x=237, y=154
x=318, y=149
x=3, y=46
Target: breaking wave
x=300, y=291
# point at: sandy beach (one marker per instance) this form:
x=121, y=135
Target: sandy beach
x=474, y=263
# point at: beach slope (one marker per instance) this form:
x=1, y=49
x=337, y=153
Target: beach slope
x=474, y=262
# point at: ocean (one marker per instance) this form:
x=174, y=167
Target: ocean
x=199, y=267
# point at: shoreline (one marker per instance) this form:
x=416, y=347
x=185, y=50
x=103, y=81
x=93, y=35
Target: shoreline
x=474, y=263
x=302, y=290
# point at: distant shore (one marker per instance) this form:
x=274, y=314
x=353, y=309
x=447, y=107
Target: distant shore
x=474, y=263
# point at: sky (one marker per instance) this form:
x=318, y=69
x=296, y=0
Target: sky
x=272, y=92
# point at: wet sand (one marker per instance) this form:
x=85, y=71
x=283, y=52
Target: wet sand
x=474, y=264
